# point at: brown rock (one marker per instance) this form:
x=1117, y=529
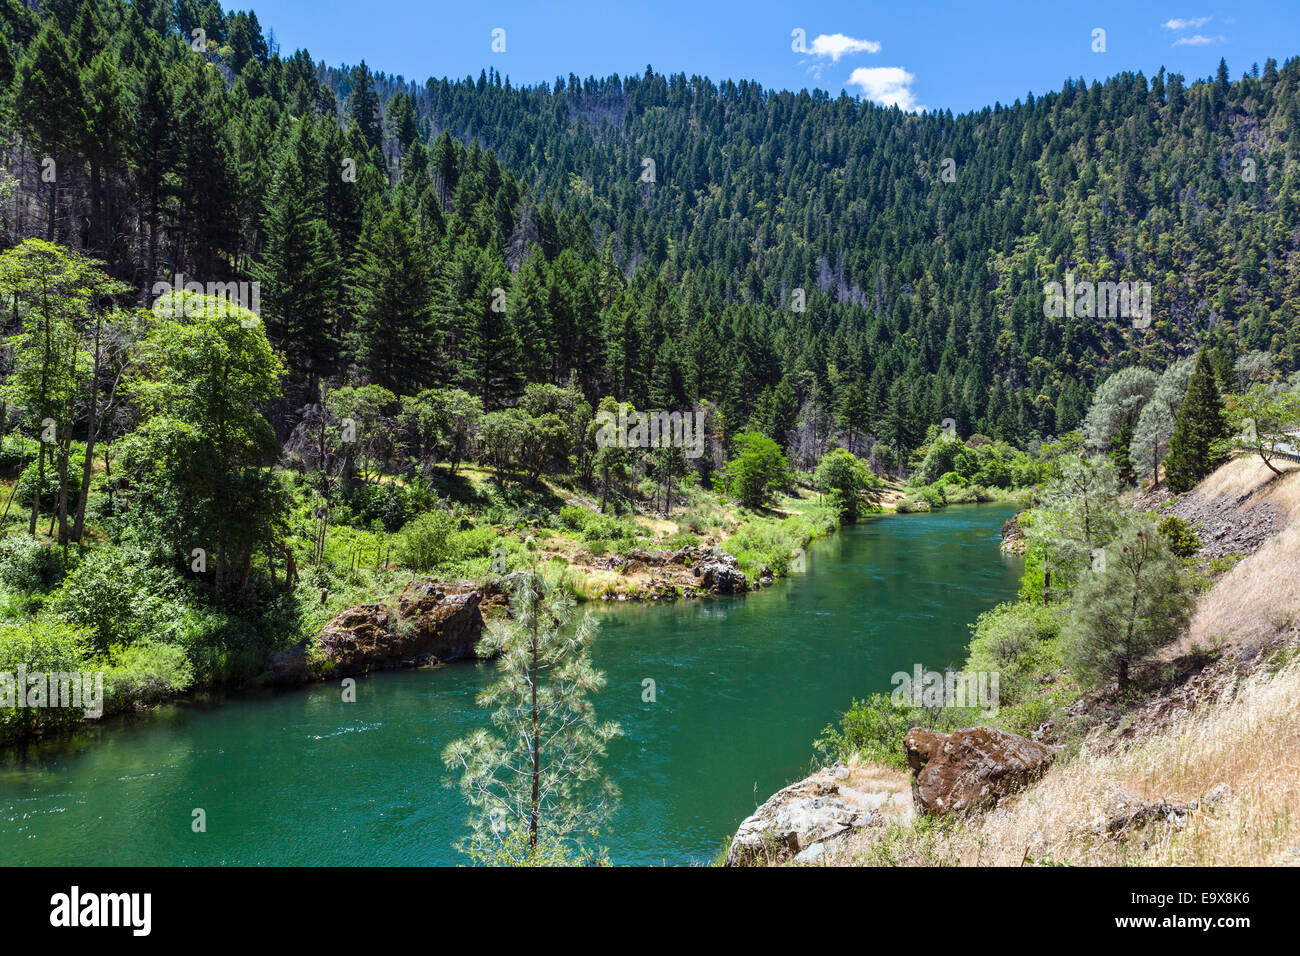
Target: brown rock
x=427, y=625
x=970, y=769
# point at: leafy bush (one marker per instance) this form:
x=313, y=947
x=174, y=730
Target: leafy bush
x=574, y=518
x=763, y=542
x=27, y=566
x=940, y=459
x=120, y=598
x=384, y=504
x=874, y=729
x=757, y=472
x=933, y=496
x=1019, y=642
x=50, y=486
x=146, y=673
x=42, y=643
x=1183, y=541
x=844, y=479
x=424, y=542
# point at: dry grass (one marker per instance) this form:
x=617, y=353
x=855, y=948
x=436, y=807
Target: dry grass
x=1248, y=743
x=1239, y=476
x=1253, y=601
x=1261, y=594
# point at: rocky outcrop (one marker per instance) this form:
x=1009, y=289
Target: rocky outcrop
x=802, y=821
x=970, y=769
x=428, y=624
x=1013, y=535
x=720, y=574
x=288, y=667
x=686, y=572
x=1129, y=817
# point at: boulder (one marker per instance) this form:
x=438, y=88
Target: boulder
x=971, y=769
x=427, y=626
x=1013, y=535
x=801, y=820
x=720, y=573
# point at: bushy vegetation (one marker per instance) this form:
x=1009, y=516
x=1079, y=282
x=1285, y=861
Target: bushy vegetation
x=771, y=543
x=952, y=471
x=874, y=729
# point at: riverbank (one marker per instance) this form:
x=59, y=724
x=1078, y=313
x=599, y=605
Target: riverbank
x=1197, y=765
x=741, y=684
x=359, y=617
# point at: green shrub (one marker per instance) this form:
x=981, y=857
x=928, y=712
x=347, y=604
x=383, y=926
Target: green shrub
x=1183, y=541
x=146, y=673
x=1020, y=643
x=42, y=643
x=50, y=486
x=120, y=598
x=425, y=541
x=764, y=542
x=757, y=472
x=874, y=729
x=27, y=565
x=575, y=518
x=386, y=504
x=933, y=496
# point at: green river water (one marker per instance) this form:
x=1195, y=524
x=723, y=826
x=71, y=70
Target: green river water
x=743, y=686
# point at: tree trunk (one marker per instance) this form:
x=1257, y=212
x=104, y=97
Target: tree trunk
x=537, y=765
x=36, y=495
x=93, y=424
x=54, y=185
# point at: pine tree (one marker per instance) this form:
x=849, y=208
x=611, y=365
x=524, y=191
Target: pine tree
x=535, y=787
x=1195, y=449
x=1134, y=601
x=394, y=342
x=300, y=269
x=51, y=105
x=364, y=106
x=491, y=348
x=401, y=117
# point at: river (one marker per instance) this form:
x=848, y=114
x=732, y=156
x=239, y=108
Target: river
x=742, y=687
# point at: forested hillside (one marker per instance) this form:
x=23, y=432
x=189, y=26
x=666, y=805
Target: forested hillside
x=445, y=296
x=381, y=219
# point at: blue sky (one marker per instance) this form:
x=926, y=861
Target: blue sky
x=936, y=55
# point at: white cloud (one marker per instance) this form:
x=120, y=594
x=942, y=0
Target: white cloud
x=1199, y=40
x=1190, y=23
x=836, y=45
x=886, y=85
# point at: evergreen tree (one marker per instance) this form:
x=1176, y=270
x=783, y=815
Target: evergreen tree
x=535, y=786
x=394, y=341
x=363, y=106
x=51, y=106
x=300, y=269
x=1196, y=447
x=1133, y=602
